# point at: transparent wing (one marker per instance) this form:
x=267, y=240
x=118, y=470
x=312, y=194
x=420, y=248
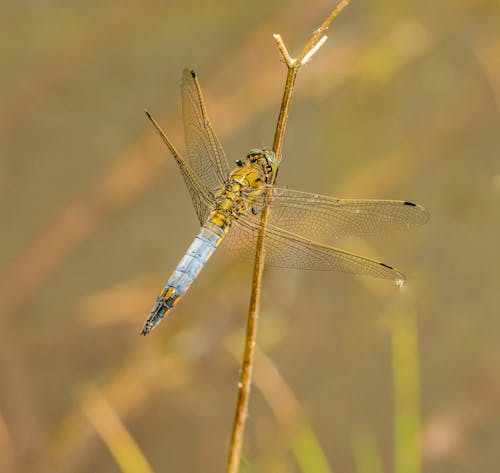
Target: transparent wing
x=204, y=151
x=323, y=218
x=284, y=249
x=201, y=196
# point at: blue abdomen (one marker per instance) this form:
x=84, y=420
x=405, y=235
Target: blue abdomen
x=185, y=273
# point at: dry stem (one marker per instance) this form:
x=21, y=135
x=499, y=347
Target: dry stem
x=293, y=66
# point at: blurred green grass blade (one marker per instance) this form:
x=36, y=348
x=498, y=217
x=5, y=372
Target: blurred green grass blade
x=115, y=435
x=366, y=453
x=407, y=444
x=308, y=452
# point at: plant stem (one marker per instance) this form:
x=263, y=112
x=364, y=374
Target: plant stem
x=245, y=382
x=283, y=115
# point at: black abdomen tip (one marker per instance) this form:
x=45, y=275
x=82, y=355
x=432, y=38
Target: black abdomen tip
x=410, y=204
x=193, y=74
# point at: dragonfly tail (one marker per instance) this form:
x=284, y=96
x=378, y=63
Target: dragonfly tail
x=164, y=303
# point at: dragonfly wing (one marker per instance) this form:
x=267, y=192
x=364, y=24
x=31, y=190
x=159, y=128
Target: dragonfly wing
x=284, y=249
x=201, y=196
x=205, y=154
x=323, y=218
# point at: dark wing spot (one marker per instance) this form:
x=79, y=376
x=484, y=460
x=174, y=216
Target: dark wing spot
x=410, y=204
x=386, y=266
x=193, y=75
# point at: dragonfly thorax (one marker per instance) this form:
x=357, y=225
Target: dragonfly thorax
x=245, y=184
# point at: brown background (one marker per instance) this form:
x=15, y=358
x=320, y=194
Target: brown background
x=402, y=102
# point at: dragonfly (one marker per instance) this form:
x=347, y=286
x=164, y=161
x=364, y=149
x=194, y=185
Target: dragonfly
x=228, y=204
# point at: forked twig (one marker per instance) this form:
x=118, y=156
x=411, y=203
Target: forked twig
x=293, y=66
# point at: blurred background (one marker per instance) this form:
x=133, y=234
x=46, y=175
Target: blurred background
x=353, y=374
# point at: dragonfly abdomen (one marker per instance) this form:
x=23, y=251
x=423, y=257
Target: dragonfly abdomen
x=187, y=270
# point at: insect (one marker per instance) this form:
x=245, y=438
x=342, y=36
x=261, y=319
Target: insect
x=228, y=205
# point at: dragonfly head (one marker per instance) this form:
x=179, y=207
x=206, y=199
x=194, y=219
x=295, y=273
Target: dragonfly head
x=265, y=160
